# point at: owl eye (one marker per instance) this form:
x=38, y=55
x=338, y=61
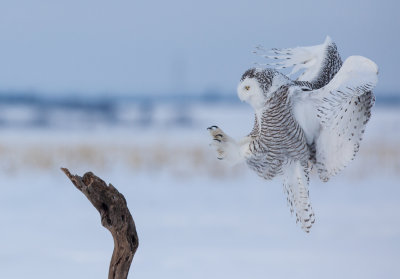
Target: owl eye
x=247, y=87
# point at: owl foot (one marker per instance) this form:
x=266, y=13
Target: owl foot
x=225, y=146
x=218, y=138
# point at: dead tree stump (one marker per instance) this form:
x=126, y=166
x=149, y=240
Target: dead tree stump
x=115, y=216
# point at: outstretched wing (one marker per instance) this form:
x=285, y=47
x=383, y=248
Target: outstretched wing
x=295, y=185
x=343, y=108
x=319, y=63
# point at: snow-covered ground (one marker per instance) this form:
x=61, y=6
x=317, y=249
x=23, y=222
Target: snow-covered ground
x=195, y=216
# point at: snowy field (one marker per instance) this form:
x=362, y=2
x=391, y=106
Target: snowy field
x=195, y=216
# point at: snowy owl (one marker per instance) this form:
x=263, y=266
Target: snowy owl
x=315, y=121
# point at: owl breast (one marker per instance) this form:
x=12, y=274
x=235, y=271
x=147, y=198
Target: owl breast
x=279, y=140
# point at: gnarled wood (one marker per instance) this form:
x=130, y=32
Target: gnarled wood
x=115, y=216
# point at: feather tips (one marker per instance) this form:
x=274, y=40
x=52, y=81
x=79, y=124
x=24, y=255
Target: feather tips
x=295, y=186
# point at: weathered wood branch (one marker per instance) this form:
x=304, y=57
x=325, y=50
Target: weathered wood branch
x=115, y=216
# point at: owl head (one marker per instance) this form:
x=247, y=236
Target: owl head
x=257, y=85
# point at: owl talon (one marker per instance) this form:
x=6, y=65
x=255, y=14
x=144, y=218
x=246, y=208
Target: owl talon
x=225, y=146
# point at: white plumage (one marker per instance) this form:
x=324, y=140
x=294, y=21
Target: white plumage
x=316, y=120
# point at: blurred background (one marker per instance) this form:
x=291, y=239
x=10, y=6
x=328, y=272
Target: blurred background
x=126, y=89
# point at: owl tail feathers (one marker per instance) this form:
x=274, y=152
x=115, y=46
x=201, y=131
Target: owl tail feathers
x=295, y=186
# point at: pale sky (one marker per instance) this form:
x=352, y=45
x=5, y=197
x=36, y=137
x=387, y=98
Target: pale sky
x=145, y=47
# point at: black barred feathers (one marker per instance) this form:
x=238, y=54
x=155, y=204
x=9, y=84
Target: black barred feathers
x=278, y=139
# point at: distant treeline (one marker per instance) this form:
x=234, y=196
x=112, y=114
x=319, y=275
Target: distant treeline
x=30, y=109
x=107, y=101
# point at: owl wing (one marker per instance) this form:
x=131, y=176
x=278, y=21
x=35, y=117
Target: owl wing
x=319, y=63
x=295, y=185
x=342, y=108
